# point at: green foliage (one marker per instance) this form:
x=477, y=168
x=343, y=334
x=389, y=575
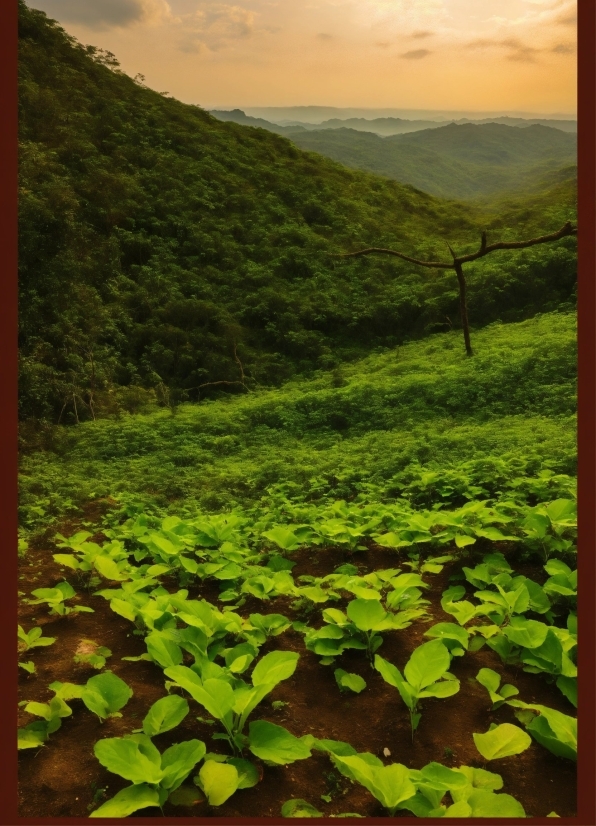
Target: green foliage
x=552, y=729
x=502, y=741
x=426, y=674
x=160, y=247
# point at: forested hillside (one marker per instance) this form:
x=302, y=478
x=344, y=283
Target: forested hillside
x=163, y=250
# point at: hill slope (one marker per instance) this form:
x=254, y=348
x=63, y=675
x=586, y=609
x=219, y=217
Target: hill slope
x=453, y=161
x=162, y=250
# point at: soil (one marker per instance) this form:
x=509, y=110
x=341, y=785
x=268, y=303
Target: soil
x=64, y=779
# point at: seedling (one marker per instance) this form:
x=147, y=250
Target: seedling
x=56, y=597
x=425, y=675
x=90, y=653
x=491, y=681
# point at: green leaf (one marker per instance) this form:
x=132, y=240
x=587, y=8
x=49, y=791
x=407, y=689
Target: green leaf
x=248, y=774
x=488, y=804
x=109, y=569
x=347, y=680
x=179, y=760
x=299, y=808
x=526, y=633
x=163, y=650
x=277, y=745
x=216, y=696
x=123, y=756
x=391, y=785
x=275, y=667
x=366, y=614
x=489, y=679
x=503, y=741
x=219, y=781
x=427, y=664
x=127, y=801
x=283, y=537
x=106, y=694
x=165, y=714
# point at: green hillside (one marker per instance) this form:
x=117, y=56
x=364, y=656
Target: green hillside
x=509, y=411
x=454, y=161
x=162, y=250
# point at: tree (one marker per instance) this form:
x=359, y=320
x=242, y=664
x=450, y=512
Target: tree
x=458, y=261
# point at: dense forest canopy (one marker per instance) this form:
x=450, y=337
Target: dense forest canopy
x=162, y=250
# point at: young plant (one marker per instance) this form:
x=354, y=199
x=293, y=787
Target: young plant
x=104, y=695
x=56, y=597
x=349, y=682
x=32, y=639
x=502, y=741
x=231, y=700
x=90, y=653
x=491, y=681
x=35, y=734
x=426, y=674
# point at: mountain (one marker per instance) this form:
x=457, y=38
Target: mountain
x=166, y=254
x=454, y=161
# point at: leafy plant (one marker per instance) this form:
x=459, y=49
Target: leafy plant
x=351, y=682
x=56, y=597
x=90, y=653
x=104, y=695
x=231, y=700
x=426, y=674
x=154, y=776
x=491, y=681
x=32, y=639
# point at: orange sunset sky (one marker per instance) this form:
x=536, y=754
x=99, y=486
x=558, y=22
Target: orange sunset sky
x=474, y=55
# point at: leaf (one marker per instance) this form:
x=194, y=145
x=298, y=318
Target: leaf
x=127, y=801
x=347, y=680
x=449, y=631
x=526, y=633
x=219, y=781
x=248, y=774
x=163, y=650
x=165, y=714
x=442, y=778
x=216, y=696
x=283, y=537
x=105, y=694
x=366, y=614
x=427, y=664
x=503, y=741
x=485, y=803
x=489, y=679
x=461, y=540
x=299, y=808
x=179, y=760
x=276, y=744
x=109, y=569
x=122, y=756
x=275, y=667
x=389, y=784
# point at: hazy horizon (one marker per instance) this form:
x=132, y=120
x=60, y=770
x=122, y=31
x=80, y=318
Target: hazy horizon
x=415, y=55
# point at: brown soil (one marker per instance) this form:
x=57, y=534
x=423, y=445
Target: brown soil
x=64, y=779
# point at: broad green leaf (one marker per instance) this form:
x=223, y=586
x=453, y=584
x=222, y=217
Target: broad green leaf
x=248, y=774
x=461, y=540
x=122, y=755
x=427, y=664
x=442, y=778
x=503, y=741
x=488, y=804
x=299, y=808
x=127, y=801
x=219, y=781
x=275, y=667
x=389, y=784
x=163, y=650
x=479, y=779
x=526, y=633
x=568, y=686
x=179, y=760
x=345, y=679
x=366, y=614
x=109, y=569
x=277, y=745
x=449, y=631
x=284, y=537
x=106, y=694
x=165, y=714
x=443, y=689
x=216, y=696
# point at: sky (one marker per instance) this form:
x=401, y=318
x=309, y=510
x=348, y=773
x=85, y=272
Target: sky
x=473, y=55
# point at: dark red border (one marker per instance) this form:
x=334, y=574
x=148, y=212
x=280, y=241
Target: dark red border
x=587, y=434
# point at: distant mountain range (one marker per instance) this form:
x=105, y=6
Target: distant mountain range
x=382, y=126
x=463, y=161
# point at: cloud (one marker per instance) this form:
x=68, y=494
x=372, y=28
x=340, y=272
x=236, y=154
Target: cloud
x=215, y=26
x=416, y=54
x=324, y=36
x=568, y=18
x=421, y=35
x=517, y=50
x=383, y=44
x=104, y=14
x=564, y=48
